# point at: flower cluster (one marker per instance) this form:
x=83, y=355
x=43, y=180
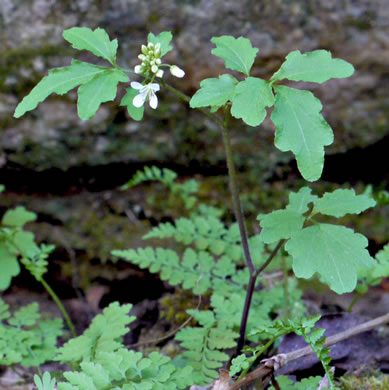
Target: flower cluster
x=151, y=60
x=150, y=68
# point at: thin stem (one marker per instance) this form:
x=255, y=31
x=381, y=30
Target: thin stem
x=286, y=287
x=245, y=314
x=60, y=306
x=271, y=257
x=354, y=301
x=235, y=195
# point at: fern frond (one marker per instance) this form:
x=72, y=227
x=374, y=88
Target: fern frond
x=207, y=233
x=127, y=370
x=204, y=346
x=165, y=176
x=25, y=338
x=196, y=270
x=103, y=335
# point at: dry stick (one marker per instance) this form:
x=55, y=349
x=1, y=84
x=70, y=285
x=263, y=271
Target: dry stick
x=276, y=362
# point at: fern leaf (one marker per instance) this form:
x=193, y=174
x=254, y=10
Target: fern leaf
x=207, y=233
x=103, y=335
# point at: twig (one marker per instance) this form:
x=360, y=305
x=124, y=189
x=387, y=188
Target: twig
x=276, y=362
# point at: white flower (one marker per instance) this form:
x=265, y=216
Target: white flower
x=146, y=92
x=176, y=71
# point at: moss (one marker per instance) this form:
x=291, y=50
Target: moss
x=366, y=381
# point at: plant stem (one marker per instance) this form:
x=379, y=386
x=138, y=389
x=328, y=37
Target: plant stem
x=60, y=306
x=286, y=287
x=354, y=301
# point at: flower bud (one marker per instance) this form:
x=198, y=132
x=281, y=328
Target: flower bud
x=176, y=71
x=138, y=69
x=150, y=45
x=159, y=73
x=144, y=50
x=158, y=61
x=154, y=68
x=141, y=57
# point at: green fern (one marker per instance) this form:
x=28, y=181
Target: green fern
x=46, y=383
x=311, y=383
x=25, y=337
x=206, y=232
x=204, y=345
x=127, y=370
x=103, y=335
x=196, y=270
x=167, y=177
x=313, y=337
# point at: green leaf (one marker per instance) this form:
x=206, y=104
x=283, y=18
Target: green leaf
x=238, y=54
x=100, y=89
x=163, y=39
x=298, y=201
x=280, y=224
x=59, y=81
x=135, y=113
x=250, y=99
x=301, y=129
x=342, y=202
x=316, y=66
x=97, y=42
x=18, y=217
x=9, y=267
x=334, y=252
x=214, y=92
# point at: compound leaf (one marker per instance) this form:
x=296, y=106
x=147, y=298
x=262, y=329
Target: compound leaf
x=280, y=224
x=59, y=81
x=250, y=99
x=100, y=89
x=237, y=53
x=214, y=92
x=342, y=202
x=18, y=217
x=97, y=42
x=135, y=113
x=301, y=129
x=163, y=39
x=334, y=252
x=316, y=66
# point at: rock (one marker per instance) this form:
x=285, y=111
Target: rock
x=53, y=136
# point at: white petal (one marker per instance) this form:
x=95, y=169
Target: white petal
x=136, y=85
x=176, y=71
x=159, y=73
x=153, y=101
x=137, y=69
x=154, y=86
x=154, y=68
x=139, y=100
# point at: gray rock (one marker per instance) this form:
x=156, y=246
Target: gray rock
x=52, y=136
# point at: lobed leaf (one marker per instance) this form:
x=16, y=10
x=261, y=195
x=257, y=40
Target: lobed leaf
x=9, y=266
x=163, y=39
x=97, y=42
x=135, y=113
x=18, y=217
x=280, y=224
x=334, y=252
x=102, y=88
x=298, y=201
x=59, y=81
x=316, y=66
x=301, y=129
x=341, y=202
x=214, y=92
x=237, y=53
x=250, y=99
